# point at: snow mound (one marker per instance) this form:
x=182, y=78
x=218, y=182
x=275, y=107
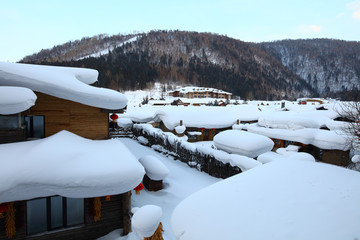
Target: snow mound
x=180, y=129
x=67, y=165
x=355, y=159
x=124, y=123
x=280, y=200
x=16, y=99
x=146, y=220
x=272, y=156
x=62, y=82
x=154, y=168
x=243, y=143
x=238, y=126
x=143, y=140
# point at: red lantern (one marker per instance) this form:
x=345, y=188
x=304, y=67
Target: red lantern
x=114, y=117
x=3, y=207
x=139, y=188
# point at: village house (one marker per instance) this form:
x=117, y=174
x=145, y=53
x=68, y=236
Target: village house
x=200, y=92
x=315, y=132
x=201, y=123
x=51, y=190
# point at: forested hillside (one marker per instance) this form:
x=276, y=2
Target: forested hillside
x=283, y=69
x=331, y=67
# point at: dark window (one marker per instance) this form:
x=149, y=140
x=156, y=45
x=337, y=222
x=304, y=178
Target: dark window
x=10, y=121
x=46, y=214
x=36, y=216
x=35, y=126
x=56, y=212
x=74, y=211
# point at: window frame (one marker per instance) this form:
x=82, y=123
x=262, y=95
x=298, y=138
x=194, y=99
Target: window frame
x=49, y=228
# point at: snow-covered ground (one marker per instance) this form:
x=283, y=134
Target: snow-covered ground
x=181, y=182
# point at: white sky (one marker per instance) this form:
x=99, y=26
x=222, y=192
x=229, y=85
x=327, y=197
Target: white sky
x=27, y=26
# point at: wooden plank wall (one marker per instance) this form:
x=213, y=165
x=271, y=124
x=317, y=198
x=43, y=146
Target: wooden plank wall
x=60, y=114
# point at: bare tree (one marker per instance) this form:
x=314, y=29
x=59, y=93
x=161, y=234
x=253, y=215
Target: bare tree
x=350, y=113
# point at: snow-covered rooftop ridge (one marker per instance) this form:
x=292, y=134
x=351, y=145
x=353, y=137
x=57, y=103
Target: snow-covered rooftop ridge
x=280, y=200
x=62, y=82
x=67, y=165
x=297, y=119
x=199, y=89
x=205, y=116
x=15, y=99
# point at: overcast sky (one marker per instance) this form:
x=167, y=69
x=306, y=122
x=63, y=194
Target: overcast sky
x=27, y=26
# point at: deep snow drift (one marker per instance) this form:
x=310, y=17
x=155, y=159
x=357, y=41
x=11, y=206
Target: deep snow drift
x=279, y=200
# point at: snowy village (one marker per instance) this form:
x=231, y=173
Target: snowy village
x=83, y=162
x=180, y=120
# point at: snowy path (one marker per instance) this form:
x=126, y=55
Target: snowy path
x=180, y=183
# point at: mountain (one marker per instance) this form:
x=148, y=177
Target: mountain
x=331, y=67
x=86, y=47
x=252, y=71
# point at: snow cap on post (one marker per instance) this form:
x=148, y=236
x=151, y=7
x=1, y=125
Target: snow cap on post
x=154, y=168
x=146, y=220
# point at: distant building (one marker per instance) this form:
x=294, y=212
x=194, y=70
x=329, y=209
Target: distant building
x=200, y=92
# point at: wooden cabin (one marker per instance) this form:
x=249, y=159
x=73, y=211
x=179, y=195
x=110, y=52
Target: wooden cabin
x=51, y=115
x=335, y=157
x=56, y=217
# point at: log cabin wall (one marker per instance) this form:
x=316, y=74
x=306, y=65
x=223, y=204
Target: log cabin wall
x=336, y=157
x=60, y=114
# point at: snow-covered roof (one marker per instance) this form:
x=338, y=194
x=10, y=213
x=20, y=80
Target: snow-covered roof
x=205, y=116
x=324, y=139
x=199, y=89
x=62, y=82
x=67, y=165
x=297, y=119
x=243, y=143
x=15, y=99
x=280, y=200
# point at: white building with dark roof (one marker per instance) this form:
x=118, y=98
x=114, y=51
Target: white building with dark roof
x=200, y=92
